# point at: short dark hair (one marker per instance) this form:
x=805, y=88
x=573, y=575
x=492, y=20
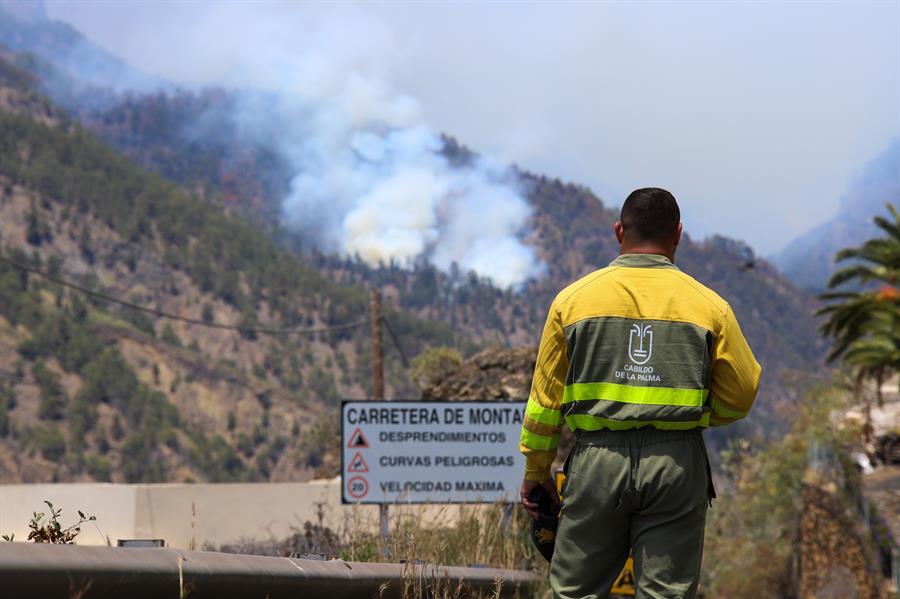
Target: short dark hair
x=649, y=214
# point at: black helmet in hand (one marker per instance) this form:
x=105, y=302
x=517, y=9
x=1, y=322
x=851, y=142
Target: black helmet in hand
x=543, y=529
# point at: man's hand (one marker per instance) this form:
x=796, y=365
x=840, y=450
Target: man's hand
x=528, y=486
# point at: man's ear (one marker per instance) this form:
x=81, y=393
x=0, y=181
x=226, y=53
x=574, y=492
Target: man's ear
x=620, y=231
x=677, y=239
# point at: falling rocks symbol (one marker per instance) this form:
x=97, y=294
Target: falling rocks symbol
x=357, y=440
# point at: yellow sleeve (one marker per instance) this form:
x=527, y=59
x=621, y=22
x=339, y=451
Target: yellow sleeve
x=735, y=374
x=543, y=419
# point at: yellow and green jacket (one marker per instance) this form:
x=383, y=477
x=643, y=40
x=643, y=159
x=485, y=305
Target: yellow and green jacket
x=638, y=343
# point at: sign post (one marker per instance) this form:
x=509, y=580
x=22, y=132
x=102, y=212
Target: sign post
x=430, y=452
x=358, y=464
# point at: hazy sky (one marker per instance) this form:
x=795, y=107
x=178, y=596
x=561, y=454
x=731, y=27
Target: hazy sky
x=755, y=115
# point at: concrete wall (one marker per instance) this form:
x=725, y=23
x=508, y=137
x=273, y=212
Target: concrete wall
x=207, y=513
x=112, y=504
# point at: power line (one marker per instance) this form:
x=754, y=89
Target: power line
x=396, y=342
x=204, y=323
x=185, y=319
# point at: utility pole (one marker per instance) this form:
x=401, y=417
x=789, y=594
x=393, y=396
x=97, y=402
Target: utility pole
x=378, y=395
x=377, y=350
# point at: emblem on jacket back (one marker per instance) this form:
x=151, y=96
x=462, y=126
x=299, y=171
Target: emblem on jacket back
x=640, y=343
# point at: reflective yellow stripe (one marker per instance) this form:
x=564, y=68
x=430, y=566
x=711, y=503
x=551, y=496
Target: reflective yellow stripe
x=541, y=442
x=538, y=428
x=586, y=422
x=724, y=411
x=657, y=396
x=539, y=413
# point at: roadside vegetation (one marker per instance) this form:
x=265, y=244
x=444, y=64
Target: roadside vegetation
x=865, y=319
x=752, y=528
x=493, y=536
x=753, y=534
x=47, y=527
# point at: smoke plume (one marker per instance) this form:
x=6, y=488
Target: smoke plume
x=370, y=175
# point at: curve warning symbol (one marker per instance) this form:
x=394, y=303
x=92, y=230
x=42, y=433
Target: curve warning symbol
x=357, y=487
x=357, y=464
x=357, y=440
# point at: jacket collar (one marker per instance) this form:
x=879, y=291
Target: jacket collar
x=643, y=261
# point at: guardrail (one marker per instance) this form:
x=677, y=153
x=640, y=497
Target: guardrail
x=69, y=571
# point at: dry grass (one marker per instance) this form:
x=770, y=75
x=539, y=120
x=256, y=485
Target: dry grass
x=494, y=536
x=426, y=539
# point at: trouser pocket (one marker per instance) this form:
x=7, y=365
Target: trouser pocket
x=710, y=487
x=566, y=466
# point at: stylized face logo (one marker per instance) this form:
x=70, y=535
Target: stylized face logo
x=640, y=343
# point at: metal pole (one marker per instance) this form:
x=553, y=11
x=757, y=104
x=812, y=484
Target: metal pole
x=377, y=351
x=385, y=529
x=378, y=394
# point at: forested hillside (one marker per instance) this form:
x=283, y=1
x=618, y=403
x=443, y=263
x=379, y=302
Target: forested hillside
x=94, y=390
x=570, y=227
x=180, y=213
x=193, y=138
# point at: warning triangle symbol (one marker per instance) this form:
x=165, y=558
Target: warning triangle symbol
x=358, y=464
x=357, y=440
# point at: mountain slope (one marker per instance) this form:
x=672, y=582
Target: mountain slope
x=570, y=228
x=73, y=57
x=192, y=138
x=93, y=390
x=809, y=259
x=219, y=405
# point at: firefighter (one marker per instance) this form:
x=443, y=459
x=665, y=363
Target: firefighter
x=637, y=358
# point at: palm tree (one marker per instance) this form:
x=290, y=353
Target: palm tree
x=865, y=324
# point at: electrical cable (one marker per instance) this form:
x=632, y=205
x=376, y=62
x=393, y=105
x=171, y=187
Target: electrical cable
x=185, y=319
x=394, y=339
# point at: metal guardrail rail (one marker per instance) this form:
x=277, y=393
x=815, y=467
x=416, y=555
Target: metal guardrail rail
x=68, y=571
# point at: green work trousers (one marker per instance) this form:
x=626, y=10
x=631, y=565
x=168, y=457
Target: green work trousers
x=644, y=491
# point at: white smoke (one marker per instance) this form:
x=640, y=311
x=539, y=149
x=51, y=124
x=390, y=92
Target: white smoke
x=370, y=177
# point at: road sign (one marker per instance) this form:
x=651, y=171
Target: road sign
x=357, y=440
x=357, y=487
x=357, y=464
x=431, y=452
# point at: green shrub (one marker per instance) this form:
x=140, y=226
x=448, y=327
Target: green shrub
x=245, y=445
x=207, y=313
x=99, y=468
x=259, y=371
x=53, y=398
x=140, y=464
x=321, y=384
x=117, y=431
x=4, y=410
x=50, y=442
x=433, y=364
x=169, y=336
x=138, y=320
x=102, y=441
x=109, y=379
x=216, y=459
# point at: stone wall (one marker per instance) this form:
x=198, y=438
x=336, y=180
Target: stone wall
x=835, y=562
